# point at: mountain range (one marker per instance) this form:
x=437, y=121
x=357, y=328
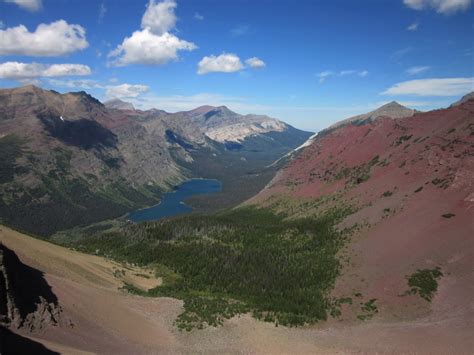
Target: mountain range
x=67, y=159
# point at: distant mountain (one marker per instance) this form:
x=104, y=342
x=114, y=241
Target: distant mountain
x=407, y=184
x=464, y=99
x=67, y=159
x=119, y=104
x=391, y=110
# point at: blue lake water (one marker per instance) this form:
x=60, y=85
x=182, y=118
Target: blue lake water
x=172, y=203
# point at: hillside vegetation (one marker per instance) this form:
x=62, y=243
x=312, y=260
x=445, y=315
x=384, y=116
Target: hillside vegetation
x=244, y=260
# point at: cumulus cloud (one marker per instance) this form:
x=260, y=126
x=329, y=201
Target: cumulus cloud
x=227, y=63
x=441, y=6
x=224, y=63
x=417, y=70
x=30, y=5
x=153, y=44
x=159, y=17
x=49, y=40
x=413, y=27
x=125, y=91
x=144, y=47
x=329, y=73
x=111, y=91
x=16, y=70
x=255, y=62
x=432, y=87
x=198, y=16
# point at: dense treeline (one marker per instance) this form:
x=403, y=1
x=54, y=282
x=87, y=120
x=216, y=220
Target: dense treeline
x=243, y=260
x=61, y=202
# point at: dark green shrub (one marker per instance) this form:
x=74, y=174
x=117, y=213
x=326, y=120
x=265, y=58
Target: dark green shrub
x=424, y=282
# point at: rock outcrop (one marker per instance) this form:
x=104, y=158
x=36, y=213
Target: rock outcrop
x=26, y=299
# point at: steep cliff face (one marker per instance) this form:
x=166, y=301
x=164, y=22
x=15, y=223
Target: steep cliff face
x=26, y=299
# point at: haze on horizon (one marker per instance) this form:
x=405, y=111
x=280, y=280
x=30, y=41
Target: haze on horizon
x=330, y=60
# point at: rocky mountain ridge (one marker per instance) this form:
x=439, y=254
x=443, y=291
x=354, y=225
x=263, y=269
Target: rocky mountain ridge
x=67, y=159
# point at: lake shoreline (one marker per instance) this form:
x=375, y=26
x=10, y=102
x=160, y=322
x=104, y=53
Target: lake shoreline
x=173, y=203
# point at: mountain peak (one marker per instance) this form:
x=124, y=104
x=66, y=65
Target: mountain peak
x=30, y=88
x=118, y=104
x=201, y=110
x=392, y=110
x=209, y=111
x=392, y=104
x=223, y=110
x=464, y=99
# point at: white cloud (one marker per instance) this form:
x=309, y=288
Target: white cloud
x=74, y=84
x=125, y=91
x=2, y=25
x=29, y=81
x=441, y=6
x=346, y=72
x=413, y=27
x=54, y=39
x=432, y=87
x=16, y=70
x=224, y=63
x=324, y=75
x=329, y=73
x=30, y=5
x=144, y=47
x=417, y=70
x=154, y=44
x=255, y=62
x=159, y=17
x=198, y=16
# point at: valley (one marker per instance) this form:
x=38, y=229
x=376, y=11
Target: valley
x=236, y=177
x=68, y=160
x=312, y=261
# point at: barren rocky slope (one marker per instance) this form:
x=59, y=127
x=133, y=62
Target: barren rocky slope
x=410, y=183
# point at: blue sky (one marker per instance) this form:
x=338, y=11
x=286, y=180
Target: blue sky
x=309, y=63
